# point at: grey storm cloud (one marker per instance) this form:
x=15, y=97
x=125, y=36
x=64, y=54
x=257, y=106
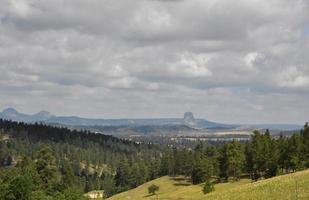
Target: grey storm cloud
x=243, y=61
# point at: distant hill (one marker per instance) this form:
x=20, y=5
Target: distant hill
x=12, y=114
x=46, y=117
x=145, y=130
x=288, y=127
x=188, y=120
x=291, y=186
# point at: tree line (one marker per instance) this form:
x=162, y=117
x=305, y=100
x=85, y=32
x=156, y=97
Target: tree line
x=261, y=157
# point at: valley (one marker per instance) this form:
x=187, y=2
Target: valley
x=154, y=100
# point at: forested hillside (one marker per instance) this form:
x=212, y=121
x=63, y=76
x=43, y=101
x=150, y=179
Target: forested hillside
x=91, y=158
x=59, y=163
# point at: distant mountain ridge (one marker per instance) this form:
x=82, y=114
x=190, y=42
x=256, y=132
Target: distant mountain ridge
x=187, y=120
x=12, y=114
x=46, y=117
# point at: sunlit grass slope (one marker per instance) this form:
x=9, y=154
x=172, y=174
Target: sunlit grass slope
x=172, y=188
x=292, y=186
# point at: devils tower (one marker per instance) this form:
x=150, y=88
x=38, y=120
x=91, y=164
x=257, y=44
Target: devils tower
x=188, y=119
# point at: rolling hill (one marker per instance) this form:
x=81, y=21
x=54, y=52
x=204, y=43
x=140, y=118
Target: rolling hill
x=291, y=186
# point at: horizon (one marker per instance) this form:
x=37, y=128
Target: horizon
x=175, y=117
x=232, y=62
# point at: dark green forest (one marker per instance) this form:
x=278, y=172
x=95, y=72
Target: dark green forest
x=91, y=160
x=38, y=161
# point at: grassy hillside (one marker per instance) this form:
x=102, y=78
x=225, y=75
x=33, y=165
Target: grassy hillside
x=172, y=188
x=292, y=186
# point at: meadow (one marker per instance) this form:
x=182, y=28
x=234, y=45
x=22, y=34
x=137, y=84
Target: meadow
x=289, y=187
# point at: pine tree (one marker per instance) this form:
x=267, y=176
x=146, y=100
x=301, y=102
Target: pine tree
x=20, y=188
x=123, y=178
x=208, y=187
x=202, y=170
x=235, y=159
x=282, y=147
x=294, y=152
x=213, y=155
x=153, y=189
x=257, y=153
x=136, y=175
x=305, y=136
x=47, y=170
x=167, y=164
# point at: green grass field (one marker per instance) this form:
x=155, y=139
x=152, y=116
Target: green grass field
x=289, y=187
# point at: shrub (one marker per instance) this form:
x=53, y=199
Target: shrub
x=152, y=189
x=208, y=187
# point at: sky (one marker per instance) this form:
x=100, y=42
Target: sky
x=244, y=61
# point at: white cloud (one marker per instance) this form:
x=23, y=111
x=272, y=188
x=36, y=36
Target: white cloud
x=250, y=58
x=20, y=8
x=117, y=71
x=191, y=66
x=293, y=78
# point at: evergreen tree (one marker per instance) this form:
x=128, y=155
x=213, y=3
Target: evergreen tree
x=47, y=170
x=136, y=175
x=202, y=170
x=305, y=136
x=68, y=178
x=294, y=153
x=208, y=187
x=167, y=163
x=20, y=188
x=109, y=185
x=235, y=158
x=123, y=177
x=273, y=159
x=260, y=151
x=153, y=189
x=213, y=154
x=282, y=148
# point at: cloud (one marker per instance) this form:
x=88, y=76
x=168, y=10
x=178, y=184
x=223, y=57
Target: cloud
x=292, y=77
x=243, y=61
